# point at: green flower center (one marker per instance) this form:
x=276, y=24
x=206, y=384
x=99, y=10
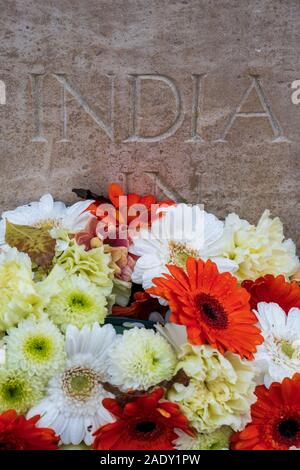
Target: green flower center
x=154, y=359
x=287, y=349
x=12, y=392
x=79, y=382
x=179, y=253
x=79, y=301
x=38, y=348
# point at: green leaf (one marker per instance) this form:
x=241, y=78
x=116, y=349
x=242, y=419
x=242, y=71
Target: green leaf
x=36, y=242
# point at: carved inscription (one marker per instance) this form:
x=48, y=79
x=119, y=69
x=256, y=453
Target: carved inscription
x=136, y=108
x=266, y=113
x=160, y=185
x=2, y=92
x=109, y=124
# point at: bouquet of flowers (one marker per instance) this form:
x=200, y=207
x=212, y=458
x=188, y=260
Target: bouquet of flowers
x=132, y=323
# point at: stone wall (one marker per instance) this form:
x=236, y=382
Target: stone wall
x=185, y=95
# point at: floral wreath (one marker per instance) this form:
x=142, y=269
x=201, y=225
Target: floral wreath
x=132, y=323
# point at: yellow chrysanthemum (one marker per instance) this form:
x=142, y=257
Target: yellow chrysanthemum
x=18, y=390
x=19, y=297
x=37, y=347
x=259, y=250
x=221, y=388
x=77, y=302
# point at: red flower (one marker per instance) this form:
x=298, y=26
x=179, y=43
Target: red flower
x=273, y=289
x=18, y=433
x=143, y=424
x=211, y=305
x=275, y=421
x=141, y=307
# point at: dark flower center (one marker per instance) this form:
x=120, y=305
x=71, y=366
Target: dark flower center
x=145, y=426
x=288, y=428
x=211, y=311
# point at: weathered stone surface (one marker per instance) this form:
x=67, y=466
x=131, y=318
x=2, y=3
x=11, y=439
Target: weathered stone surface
x=192, y=62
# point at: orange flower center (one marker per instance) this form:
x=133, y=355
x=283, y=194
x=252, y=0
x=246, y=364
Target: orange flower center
x=211, y=311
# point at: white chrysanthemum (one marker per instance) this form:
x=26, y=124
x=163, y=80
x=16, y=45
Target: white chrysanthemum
x=140, y=359
x=73, y=402
x=47, y=213
x=18, y=391
x=279, y=355
x=221, y=388
x=183, y=231
x=78, y=302
x=215, y=440
x=261, y=249
x=19, y=297
x=36, y=346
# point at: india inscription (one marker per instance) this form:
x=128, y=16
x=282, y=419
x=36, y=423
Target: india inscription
x=136, y=111
x=158, y=94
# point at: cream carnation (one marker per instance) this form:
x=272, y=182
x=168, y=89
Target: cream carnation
x=19, y=297
x=261, y=249
x=221, y=388
x=141, y=358
x=93, y=265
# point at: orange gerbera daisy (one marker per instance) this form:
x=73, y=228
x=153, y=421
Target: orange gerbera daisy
x=275, y=421
x=211, y=305
x=273, y=289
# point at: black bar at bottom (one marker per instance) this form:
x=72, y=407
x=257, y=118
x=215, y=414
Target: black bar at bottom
x=134, y=459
